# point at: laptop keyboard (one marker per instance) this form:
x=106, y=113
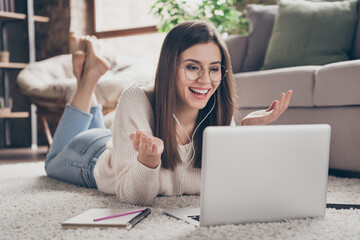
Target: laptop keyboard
x=195, y=217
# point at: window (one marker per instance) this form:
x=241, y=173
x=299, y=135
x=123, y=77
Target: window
x=114, y=18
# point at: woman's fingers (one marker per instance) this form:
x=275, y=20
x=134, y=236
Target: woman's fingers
x=279, y=110
x=135, y=138
x=282, y=101
x=155, y=149
x=149, y=146
x=288, y=98
x=144, y=144
x=276, y=109
x=272, y=106
x=283, y=104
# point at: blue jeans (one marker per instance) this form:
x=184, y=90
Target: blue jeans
x=79, y=140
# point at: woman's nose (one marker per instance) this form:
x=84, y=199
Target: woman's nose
x=204, y=76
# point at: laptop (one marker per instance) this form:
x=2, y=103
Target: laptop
x=261, y=174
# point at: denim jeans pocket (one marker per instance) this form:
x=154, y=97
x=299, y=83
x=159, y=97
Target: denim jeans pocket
x=87, y=144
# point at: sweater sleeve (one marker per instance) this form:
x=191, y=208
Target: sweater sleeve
x=134, y=182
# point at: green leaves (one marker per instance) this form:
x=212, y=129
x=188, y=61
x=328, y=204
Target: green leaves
x=222, y=13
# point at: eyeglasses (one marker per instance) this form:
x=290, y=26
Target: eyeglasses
x=194, y=71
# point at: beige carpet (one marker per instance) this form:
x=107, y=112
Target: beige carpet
x=32, y=206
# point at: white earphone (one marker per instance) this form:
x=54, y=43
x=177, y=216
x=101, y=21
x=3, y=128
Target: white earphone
x=191, y=142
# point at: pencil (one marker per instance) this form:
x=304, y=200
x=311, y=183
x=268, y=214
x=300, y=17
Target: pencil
x=138, y=218
x=118, y=215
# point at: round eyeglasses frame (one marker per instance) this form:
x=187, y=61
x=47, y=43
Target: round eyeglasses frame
x=201, y=72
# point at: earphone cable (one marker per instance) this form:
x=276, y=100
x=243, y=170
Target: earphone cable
x=191, y=142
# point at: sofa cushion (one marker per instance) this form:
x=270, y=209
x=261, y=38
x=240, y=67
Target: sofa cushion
x=338, y=84
x=311, y=33
x=259, y=89
x=261, y=20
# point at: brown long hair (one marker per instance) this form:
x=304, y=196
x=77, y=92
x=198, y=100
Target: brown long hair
x=180, y=38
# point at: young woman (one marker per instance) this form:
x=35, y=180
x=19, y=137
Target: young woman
x=155, y=144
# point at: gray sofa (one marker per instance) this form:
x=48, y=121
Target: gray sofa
x=322, y=94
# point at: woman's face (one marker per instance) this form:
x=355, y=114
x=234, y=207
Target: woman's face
x=195, y=94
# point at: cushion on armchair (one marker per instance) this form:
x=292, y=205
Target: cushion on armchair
x=311, y=33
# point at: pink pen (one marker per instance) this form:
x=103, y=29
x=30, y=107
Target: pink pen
x=118, y=215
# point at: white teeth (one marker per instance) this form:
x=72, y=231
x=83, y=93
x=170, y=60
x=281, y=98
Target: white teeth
x=199, y=91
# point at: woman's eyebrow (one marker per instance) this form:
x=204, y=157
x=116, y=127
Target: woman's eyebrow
x=196, y=61
x=191, y=60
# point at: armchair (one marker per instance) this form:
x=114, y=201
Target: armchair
x=50, y=85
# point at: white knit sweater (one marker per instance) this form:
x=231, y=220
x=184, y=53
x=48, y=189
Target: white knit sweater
x=118, y=170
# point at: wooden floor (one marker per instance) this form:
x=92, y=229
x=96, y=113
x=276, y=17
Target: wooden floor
x=22, y=155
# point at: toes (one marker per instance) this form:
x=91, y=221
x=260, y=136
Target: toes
x=79, y=55
x=93, y=45
x=76, y=42
x=94, y=61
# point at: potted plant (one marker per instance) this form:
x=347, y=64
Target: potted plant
x=222, y=13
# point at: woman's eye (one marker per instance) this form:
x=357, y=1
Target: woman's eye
x=192, y=68
x=214, y=69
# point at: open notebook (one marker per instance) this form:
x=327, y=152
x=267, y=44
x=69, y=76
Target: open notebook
x=86, y=219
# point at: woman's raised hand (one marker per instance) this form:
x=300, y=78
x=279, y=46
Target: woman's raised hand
x=149, y=148
x=271, y=114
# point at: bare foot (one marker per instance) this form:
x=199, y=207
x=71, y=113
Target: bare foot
x=77, y=43
x=78, y=59
x=78, y=49
x=95, y=65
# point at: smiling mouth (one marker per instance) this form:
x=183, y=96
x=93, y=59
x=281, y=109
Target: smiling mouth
x=198, y=91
